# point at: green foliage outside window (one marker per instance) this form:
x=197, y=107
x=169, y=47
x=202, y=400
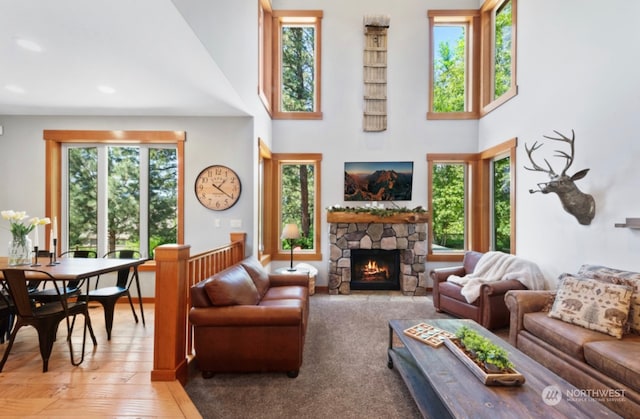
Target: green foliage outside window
x=83, y=198
x=298, y=68
x=163, y=196
x=502, y=48
x=502, y=204
x=123, y=198
x=298, y=186
x=449, y=75
x=448, y=206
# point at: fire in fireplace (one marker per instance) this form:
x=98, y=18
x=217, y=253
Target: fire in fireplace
x=375, y=269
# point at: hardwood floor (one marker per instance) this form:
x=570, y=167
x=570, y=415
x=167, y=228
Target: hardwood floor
x=113, y=381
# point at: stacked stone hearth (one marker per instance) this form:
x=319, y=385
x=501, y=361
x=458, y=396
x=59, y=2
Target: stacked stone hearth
x=409, y=238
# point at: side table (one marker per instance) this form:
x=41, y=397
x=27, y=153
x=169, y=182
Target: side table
x=300, y=271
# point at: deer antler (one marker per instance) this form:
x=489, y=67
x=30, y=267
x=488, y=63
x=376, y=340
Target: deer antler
x=560, y=153
x=536, y=167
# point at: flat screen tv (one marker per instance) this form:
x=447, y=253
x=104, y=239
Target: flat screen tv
x=378, y=181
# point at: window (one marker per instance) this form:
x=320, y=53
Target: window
x=296, y=64
x=119, y=197
x=448, y=210
x=501, y=204
x=453, y=64
x=117, y=189
x=472, y=54
x=295, y=192
x=499, y=53
x=265, y=38
x=471, y=202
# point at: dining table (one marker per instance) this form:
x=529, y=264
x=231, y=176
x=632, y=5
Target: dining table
x=76, y=269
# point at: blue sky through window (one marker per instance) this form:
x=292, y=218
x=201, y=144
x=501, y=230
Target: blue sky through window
x=446, y=33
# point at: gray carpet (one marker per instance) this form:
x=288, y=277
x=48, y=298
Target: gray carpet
x=344, y=373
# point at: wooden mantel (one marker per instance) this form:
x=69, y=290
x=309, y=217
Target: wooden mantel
x=362, y=217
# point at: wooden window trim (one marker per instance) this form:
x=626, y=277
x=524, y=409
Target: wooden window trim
x=478, y=223
x=53, y=163
x=265, y=56
x=272, y=205
x=281, y=17
x=472, y=20
x=487, y=13
x=268, y=205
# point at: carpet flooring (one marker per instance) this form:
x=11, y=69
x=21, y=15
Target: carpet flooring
x=344, y=373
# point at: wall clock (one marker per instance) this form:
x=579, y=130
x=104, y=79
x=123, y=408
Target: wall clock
x=218, y=187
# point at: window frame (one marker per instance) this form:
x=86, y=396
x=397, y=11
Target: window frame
x=54, y=140
x=478, y=215
x=265, y=54
x=487, y=76
x=281, y=18
x=272, y=209
x=470, y=19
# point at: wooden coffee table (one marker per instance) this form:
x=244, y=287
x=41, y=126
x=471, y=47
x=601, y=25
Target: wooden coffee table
x=443, y=387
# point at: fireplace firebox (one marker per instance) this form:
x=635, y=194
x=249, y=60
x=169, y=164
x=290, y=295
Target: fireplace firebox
x=375, y=269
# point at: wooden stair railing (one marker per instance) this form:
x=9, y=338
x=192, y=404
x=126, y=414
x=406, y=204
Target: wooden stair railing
x=176, y=271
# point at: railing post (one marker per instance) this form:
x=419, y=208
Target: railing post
x=239, y=237
x=170, y=335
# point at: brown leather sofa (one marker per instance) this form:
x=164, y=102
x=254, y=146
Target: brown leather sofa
x=489, y=310
x=604, y=366
x=247, y=320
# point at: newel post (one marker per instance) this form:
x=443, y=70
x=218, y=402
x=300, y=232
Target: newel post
x=169, y=343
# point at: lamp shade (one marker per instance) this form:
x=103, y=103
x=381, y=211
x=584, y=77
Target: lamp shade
x=290, y=231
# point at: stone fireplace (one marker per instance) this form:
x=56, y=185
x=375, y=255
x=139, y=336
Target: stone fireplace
x=405, y=233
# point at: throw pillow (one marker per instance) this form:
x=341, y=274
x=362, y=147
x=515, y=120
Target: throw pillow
x=592, y=304
x=616, y=276
x=258, y=274
x=233, y=286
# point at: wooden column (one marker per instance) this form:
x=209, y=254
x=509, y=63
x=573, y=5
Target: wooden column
x=169, y=344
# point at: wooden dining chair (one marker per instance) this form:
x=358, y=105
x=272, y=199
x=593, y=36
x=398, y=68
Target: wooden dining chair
x=47, y=294
x=109, y=296
x=45, y=318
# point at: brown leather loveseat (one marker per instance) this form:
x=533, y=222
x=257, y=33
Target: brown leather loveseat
x=247, y=320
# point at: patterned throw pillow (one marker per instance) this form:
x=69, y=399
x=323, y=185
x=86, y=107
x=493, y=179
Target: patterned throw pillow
x=616, y=276
x=592, y=304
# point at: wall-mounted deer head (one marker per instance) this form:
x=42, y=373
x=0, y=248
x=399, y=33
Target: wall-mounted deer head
x=575, y=202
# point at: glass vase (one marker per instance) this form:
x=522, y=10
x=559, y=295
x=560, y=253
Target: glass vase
x=20, y=251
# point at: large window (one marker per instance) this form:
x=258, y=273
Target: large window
x=471, y=202
x=472, y=60
x=454, y=64
x=117, y=189
x=293, y=64
x=292, y=190
x=119, y=197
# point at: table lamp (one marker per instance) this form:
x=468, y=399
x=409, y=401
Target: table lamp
x=291, y=233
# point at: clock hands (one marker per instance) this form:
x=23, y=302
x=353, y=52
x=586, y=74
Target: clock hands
x=218, y=188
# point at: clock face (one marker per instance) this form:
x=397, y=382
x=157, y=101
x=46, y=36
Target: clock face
x=218, y=187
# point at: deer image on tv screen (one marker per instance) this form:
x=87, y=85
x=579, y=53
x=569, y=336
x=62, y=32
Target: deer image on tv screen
x=574, y=201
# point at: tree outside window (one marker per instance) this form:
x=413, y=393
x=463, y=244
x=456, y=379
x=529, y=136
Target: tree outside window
x=449, y=75
x=448, y=207
x=297, y=203
x=140, y=186
x=502, y=204
x=298, y=68
x=502, y=49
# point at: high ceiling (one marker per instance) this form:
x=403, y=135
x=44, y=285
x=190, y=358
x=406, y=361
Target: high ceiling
x=142, y=54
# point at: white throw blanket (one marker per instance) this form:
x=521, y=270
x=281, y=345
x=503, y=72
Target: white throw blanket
x=498, y=266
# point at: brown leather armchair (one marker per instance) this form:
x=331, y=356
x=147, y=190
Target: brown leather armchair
x=489, y=310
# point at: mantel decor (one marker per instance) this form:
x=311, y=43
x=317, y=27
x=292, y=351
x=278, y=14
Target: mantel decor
x=338, y=214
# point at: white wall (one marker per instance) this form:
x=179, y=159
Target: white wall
x=339, y=135
x=227, y=141
x=577, y=69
